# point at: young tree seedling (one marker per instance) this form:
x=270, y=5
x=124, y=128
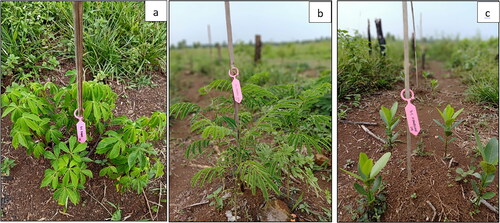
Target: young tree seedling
x=391, y=121
x=449, y=116
x=367, y=173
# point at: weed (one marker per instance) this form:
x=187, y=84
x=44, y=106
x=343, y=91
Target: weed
x=434, y=85
x=391, y=121
x=117, y=215
x=426, y=74
x=420, y=150
x=218, y=198
x=462, y=175
x=6, y=165
x=413, y=196
x=449, y=115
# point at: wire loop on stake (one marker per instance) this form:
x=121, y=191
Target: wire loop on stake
x=232, y=73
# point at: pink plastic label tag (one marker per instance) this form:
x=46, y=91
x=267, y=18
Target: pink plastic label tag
x=81, y=131
x=411, y=114
x=238, y=96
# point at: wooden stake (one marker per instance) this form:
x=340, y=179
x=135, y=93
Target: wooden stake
x=231, y=61
x=209, y=42
x=407, y=85
x=78, y=30
x=258, y=49
x=369, y=39
x=414, y=45
x=380, y=36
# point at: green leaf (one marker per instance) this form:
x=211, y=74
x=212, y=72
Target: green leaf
x=488, y=195
x=115, y=152
x=380, y=164
x=376, y=184
x=490, y=153
x=360, y=189
x=80, y=147
x=352, y=174
x=73, y=196
x=74, y=179
x=132, y=157
x=394, y=109
x=367, y=167
x=88, y=173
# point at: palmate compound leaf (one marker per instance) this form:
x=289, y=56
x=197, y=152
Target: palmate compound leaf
x=182, y=109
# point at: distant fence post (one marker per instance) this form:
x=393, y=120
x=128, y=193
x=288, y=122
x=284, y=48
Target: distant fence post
x=219, y=53
x=258, y=49
x=380, y=36
x=369, y=39
x=209, y=42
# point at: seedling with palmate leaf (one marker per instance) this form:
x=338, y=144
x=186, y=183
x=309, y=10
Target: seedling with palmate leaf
x=367, y=173
x=489, y=154
x=391, y=121
x=449, y=116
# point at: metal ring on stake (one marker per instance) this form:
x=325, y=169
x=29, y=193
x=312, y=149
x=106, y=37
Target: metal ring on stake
x=407, y=99
x=232, y=69
x=76, y=116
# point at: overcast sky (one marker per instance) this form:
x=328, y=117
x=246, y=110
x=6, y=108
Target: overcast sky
x=438, y=18
x=274, y=21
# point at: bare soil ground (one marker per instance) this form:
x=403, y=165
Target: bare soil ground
x=23, y=199
x=182, y=195
x=433, y=180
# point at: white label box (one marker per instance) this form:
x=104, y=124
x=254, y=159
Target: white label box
x=320, y=12
x=156, y=11
x=488, y=12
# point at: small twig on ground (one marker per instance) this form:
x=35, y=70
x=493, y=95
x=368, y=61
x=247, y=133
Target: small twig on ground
x=159, y=200
x=60, y=212
x=199, y=166
x=433, y=209
x=195, y=204
x=463, y=194
x=149, y=207
x=98, y=202
x=104, y=196
x=449, y=164
x=489, y=206
x=373, y=134
x=291, y=177
x=53, y=216
x=357, y=123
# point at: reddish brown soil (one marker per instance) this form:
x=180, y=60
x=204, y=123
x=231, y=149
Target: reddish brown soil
x=182, y=194
x=432, y=181
x=25, y=200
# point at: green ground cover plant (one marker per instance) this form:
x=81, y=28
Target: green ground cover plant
x=43, y=124
x=38, y=37
x=286, y=113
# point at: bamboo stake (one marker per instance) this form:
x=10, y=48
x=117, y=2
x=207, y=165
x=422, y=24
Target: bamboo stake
x=414, y=44
x=78, y=29
x=407, y=85
x=231, y=58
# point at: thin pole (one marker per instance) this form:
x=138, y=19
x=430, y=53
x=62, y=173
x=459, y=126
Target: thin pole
x=414, y=44
x=231, y=60
x=209, y=41
x=78, y=28
x=407, y=85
